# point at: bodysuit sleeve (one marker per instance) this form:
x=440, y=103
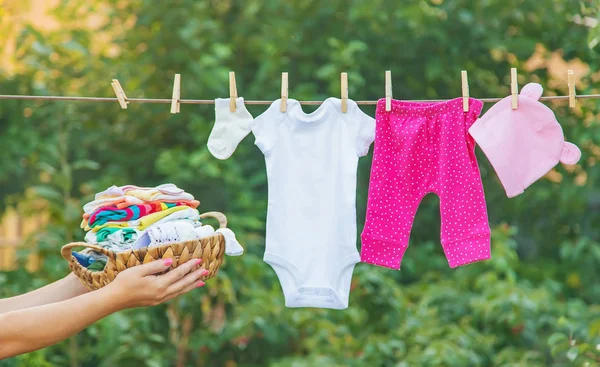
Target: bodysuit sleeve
x=266, y=128
x=364, y=129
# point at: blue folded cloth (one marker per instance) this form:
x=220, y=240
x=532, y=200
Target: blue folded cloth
x=83, y=259
x=91, y=259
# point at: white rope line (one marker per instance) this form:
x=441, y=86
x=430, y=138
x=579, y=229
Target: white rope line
x=210, y=101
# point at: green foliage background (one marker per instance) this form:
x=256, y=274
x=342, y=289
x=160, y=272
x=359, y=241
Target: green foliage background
x=536, y=303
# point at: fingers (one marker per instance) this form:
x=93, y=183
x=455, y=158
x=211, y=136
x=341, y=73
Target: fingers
x=192, y=280
x=154, y=267
x=194, y=285
x=179, y=272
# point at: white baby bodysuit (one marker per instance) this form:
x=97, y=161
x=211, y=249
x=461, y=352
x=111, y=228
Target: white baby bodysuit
x=311, y=164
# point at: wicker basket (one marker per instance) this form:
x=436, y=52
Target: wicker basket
x=209, y=249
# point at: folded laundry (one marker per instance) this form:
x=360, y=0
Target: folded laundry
x=121, y=236
x=167, y=189
x=176, y=213
x=123, y=218
x=97, y=265
x=161, y=192
x=120, y=204
x=169, y=232
x=191, y=203
x=179, y=231
x=125, y=234
x=94, y=205
x=84, y=260
x=91, y=259
x=114, y=239
x=183, y=212
x=128, y=200
x=112, y=213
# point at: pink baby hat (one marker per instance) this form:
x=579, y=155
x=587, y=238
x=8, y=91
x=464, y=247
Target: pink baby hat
x=522, y=144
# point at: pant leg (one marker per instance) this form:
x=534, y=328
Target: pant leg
x=465, y=231
x=396, y=187
x=387, y=227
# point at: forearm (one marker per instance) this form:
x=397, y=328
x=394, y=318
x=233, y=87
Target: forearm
x=26, y=330
x=63, y=289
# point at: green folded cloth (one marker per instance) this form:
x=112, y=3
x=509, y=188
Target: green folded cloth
x=97, y=265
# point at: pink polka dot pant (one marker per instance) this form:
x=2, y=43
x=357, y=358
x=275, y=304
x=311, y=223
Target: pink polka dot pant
x=423, y=148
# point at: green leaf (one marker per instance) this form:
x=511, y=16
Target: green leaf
x=556, y=338
x=47, y=192
x=85, y=164
x=572, y=353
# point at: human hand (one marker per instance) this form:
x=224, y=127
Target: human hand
x=139, y=286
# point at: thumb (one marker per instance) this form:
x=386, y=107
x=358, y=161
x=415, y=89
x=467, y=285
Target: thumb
x=155, y=267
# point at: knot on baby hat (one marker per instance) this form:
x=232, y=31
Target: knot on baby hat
x=523, y=144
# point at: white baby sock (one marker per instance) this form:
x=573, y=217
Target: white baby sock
x=204, y=231
x=178, y=231
x=229, y=129
x=232, y=246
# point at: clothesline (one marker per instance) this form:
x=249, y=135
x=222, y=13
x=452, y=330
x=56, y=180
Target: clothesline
x=210, y=101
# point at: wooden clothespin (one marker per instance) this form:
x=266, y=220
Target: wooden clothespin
x=571, y=83
x=176, y=94
x=232, y=91
x=284, y=91
x=344, y=92
x=514, y=88
x=388, y=90
x=465, y=90
x=120, y=93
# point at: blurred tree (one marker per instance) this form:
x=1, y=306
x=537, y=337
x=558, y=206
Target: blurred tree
x=536, y=303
